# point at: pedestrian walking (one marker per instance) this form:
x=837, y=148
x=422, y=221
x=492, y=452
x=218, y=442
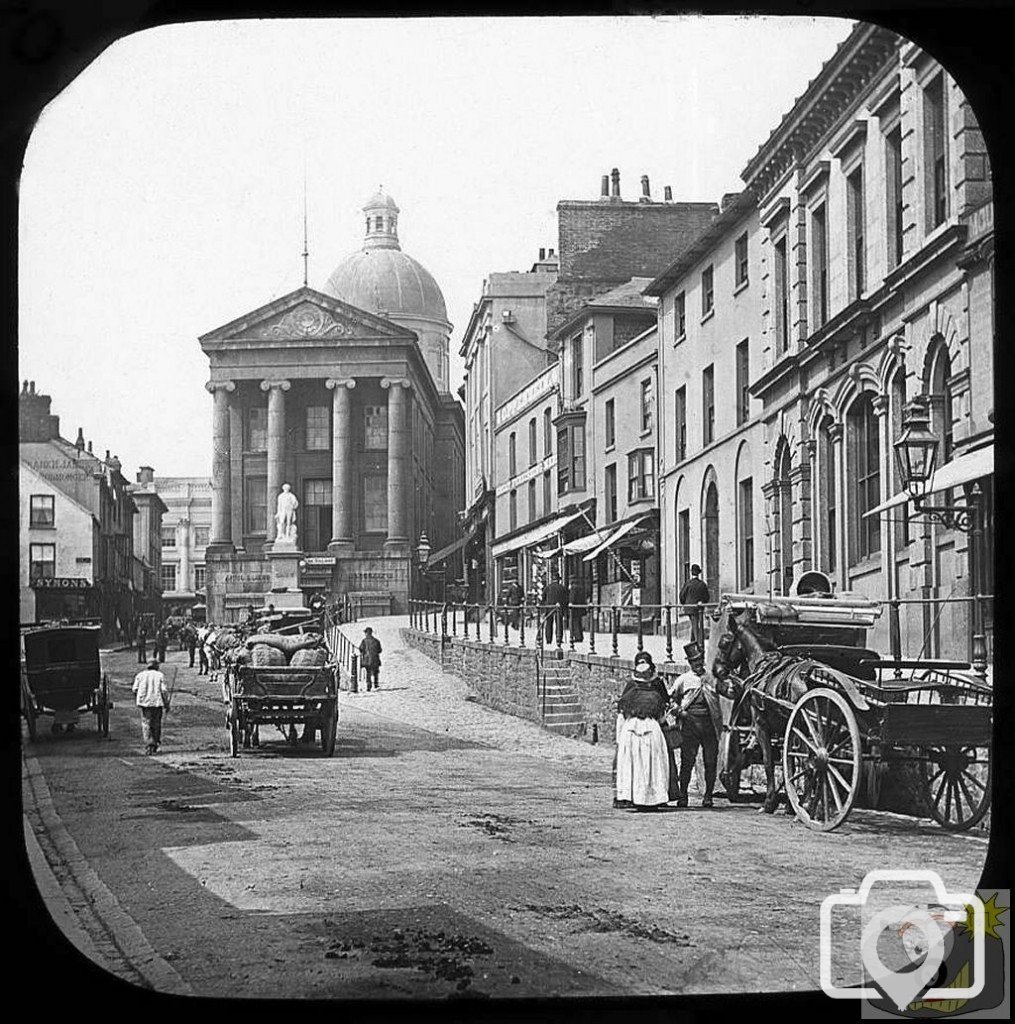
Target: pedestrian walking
x=152, y=699
x=513, y=598
x=202, y=651
x=370, y=658
x=643, y=772
x=576, y=602
x=142, y=644
x=190, y=641
x=160, y=643
x=700, y=718
x=556, y=597
x=695, y=591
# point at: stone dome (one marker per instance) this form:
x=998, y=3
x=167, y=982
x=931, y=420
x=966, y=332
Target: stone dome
x=382, y=279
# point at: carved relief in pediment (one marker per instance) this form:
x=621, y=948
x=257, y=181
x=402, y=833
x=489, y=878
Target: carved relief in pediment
x=304, y=321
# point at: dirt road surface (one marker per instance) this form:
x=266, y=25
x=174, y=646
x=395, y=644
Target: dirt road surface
x=446, y=850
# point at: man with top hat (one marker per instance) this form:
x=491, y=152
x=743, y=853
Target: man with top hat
x=700, y=719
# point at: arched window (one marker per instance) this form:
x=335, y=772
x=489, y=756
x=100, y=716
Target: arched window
x=827, y=520
x=865, y=478
x=784, y=491
x=710, y=526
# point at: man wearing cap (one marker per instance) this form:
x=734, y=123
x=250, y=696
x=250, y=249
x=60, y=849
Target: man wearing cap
x=695, y=591
x=370, y=658
x=697, y=702
x=152, y=699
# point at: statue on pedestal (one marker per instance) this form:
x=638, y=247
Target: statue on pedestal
x=285, y=516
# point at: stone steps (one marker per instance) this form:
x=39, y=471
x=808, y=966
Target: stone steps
x=562, y=710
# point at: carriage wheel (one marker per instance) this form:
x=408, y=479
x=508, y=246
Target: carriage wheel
x=329, y=728
x=956, y=783
x=233, y=725
x=104, y=708
x=731, y=755
x=821, y=759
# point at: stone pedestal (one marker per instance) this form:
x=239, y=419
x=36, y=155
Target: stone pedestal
x=284, y=563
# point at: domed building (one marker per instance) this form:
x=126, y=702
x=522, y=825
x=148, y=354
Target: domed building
x=386, y=281
x=342, y=396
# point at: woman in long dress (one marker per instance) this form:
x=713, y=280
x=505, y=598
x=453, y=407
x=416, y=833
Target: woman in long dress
x=643, y=770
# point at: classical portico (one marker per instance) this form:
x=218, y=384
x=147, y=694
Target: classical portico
x=338, y=403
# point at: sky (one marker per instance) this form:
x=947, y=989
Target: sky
x=162, y=191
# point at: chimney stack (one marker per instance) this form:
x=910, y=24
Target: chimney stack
x=606, y=186
x=90, y=452
x=80, y=442
x=645, y=195
x=24, y=384
x=107, y=457
x=115, y=463
x=615, y=175
x=549, y=255
x=146, y=475
x=728, y=200
x=668, y=194
x=542, y=255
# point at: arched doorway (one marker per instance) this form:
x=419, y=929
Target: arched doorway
x=710, y=522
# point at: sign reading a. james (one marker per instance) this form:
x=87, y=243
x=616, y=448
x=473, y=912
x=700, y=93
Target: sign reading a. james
x=61, y=583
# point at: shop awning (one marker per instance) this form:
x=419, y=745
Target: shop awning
x=533, y=536
x=971, y=466
x=450, y=549
x=616, y=535
x=590, y=540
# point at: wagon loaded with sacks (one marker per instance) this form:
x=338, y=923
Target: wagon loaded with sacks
x=282, y=680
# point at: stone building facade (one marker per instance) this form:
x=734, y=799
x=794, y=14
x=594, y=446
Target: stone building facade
x=711, y=438
x=876, y=249
x=76, y=526
x=148, y=544
x=342, y=404
x=186, y=534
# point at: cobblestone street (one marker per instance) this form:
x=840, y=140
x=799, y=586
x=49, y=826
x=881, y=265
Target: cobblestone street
x=445, y=849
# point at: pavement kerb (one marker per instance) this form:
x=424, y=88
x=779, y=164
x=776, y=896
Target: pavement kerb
x=119, y=925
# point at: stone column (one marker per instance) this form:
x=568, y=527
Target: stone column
x=183, y=543
x=276, y=449
x=836, y=432
x=398, y=461
x=221, y=491
x=880, y=406
x=341, y=462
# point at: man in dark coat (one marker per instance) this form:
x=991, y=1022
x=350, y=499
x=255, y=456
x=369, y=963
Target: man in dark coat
x=513, y=597
x=700, y=718
x=190, y=640
x=695, y=591
x=556, y=597
x=142, y=643
x=370, y=658
x=576, y=600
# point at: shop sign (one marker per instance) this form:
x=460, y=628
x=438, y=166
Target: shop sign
x=318, y=565
x=61, y=583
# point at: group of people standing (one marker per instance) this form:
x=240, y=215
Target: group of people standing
x=654, y=722
x=562, y=604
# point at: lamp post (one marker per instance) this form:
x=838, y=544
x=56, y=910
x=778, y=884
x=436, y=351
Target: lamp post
x=423, y=550
x=916, y=452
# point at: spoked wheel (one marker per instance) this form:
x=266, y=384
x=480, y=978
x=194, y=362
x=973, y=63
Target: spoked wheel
x=956, y=784
x=104, y=705
x=821, y=759
x=732, y=763
x=329, y=727
x=233, y=725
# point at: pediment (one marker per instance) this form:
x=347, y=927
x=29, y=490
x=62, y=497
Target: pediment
x=307, y=315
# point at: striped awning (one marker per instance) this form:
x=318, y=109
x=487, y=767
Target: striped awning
x=534, y=536
x=616, y=535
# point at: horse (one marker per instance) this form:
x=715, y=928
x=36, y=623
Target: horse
x=763, y=671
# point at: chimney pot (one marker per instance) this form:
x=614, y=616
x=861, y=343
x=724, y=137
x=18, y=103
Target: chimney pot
x=24, y=387
x=606, y=186
x=89, y=447
x=80, y=442
x=644, y=186
x=551, y=254
x=31, y=387
x=615, y=175
x=542, y=255
x=668, y=194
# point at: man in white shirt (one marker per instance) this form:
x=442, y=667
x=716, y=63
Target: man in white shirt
x=202, y=651
x=152, y=699
x=700, y=722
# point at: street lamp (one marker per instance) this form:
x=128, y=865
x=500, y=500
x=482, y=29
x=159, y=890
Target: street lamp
x=916, y=451
x=423, y=550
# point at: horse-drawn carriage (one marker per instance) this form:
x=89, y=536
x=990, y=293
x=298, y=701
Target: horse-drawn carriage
x=61, y=677
x=810, y=695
